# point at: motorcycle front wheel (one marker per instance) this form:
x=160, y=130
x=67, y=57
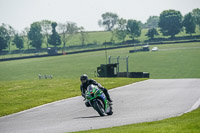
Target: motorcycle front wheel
x=99, y=107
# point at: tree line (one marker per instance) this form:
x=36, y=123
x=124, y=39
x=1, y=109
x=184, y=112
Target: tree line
x=39, y=32
x=170, y=23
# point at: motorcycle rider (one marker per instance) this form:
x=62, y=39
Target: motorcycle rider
x=86, y=82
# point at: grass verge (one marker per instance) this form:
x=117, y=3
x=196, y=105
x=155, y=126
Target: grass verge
x=187, y=123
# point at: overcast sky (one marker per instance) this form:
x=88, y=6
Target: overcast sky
x=21, y=13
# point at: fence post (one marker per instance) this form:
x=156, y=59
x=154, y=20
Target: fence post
x=109, y=59
x=127, y=65
x=118, y=63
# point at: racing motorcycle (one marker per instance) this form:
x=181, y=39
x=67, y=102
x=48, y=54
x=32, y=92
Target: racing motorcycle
x=97, y=99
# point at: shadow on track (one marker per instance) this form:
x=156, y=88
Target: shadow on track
x=87, y=117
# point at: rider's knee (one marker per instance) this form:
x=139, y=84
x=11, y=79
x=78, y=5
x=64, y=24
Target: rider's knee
x=105, y=90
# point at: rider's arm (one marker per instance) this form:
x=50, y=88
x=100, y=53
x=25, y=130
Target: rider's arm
x=96, y=83
x=82, y=91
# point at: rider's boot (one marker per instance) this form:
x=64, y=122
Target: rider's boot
x=107, y=95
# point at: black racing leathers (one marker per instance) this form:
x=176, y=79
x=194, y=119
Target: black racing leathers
x=84, y=86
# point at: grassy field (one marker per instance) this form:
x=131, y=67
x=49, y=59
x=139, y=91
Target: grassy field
x=187, y=123
x=171, y=63
x=20, y=86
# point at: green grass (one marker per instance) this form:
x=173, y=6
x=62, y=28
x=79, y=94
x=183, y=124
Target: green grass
x=20, y=86
x=187, y=123
x=20, y=95
x=178, y=63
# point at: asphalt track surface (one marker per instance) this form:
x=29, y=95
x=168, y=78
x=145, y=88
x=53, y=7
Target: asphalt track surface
x=149, y=100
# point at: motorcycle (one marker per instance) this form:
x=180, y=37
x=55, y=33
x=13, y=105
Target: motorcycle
x=97, y=99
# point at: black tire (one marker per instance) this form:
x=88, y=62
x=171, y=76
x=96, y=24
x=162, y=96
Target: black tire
x=98, y=108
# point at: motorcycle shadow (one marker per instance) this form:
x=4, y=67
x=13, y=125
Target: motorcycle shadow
x=88, y=117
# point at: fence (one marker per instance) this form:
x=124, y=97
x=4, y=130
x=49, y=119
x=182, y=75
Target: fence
x=121, y=61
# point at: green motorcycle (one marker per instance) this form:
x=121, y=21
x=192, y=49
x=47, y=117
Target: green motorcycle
x=98, y=100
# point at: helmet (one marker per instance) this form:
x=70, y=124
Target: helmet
x=84, y=78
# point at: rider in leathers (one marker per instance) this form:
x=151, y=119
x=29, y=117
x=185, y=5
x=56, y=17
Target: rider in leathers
x=86, y=82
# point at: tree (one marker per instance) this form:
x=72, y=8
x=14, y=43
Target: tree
x=133, y=28
x=109, y=20
x=4, y=38
x=189, y=23
x=35, y=36
x=67, y=31
x=151, y=33
x=46, y=30
x=3, y=43
x=83, y=35
x=121, y=31
x=170, y=22
x=18, y=41
x=152, y=22
x=143, y=26
x=54, y=38
x=196, y=15
x=24, y=35
x=11, y=32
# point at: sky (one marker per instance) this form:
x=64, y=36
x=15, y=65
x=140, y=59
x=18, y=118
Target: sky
x=22, y=13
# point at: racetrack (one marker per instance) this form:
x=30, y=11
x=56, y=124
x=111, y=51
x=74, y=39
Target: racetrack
x=149, y=100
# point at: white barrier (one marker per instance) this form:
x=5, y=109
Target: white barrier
x=45, y=76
